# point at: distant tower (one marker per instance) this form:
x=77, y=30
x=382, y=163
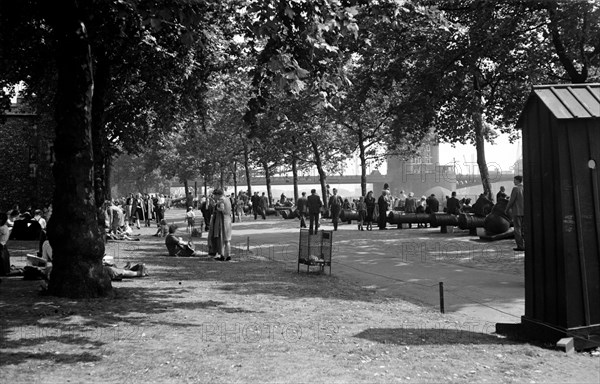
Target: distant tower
x=421, y=172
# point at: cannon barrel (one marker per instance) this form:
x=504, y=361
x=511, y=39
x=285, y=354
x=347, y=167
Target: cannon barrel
x=288, y=214
x=395, y=217
x=349, y=214
x=466, y=221
x=443, y=219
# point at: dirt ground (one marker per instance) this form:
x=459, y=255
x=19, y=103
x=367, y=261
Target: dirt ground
x=253, y=320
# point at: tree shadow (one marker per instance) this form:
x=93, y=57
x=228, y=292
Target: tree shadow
x=31, y=321
x=421, y=336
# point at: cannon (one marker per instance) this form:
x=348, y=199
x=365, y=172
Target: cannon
x=466, y=221
x=288, y=213
x=349, y=215
x=443, y=220
x=396, y=217
x=497, y=221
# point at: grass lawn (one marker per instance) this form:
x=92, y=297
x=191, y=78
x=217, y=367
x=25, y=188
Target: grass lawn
x=253, y=320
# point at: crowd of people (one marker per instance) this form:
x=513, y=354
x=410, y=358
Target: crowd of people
x=218, y=211
x=374, y=210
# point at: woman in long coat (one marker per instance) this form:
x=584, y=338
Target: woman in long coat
x=383, y=204
x=370, y=203
x=219, y=232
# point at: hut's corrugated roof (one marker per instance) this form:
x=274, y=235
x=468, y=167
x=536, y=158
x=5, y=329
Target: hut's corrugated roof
x=568, y=101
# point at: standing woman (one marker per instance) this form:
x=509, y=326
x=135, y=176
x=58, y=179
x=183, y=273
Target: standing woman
x=219, y=232
x=361, y=207
x=383, y=204
x=239, y=206
x=148, y=209
x=370, y=203
x=138, y=208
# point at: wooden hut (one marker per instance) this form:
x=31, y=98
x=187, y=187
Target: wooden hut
x=561, y=161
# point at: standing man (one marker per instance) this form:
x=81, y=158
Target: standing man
x=453, y=206
x=314, y=210
x=302, y=206
x=264, y=204
x=335, y=204
x=433, y=205
x=255, y=200
x=516, y=208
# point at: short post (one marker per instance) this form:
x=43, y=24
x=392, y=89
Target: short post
x=442, y=297
x=248, y=244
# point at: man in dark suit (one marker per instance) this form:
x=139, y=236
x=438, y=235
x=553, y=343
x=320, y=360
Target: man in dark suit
x=335, y=205
x=302, y=207
x=516, y=208
x=255, y=200
x=453, y=206
x=314, y=210
x=433, y=205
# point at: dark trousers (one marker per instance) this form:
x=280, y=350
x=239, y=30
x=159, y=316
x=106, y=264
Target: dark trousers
x=335, y=215
x=302, y=215
x=519, y=235
x=382, y=220
x=314, y=222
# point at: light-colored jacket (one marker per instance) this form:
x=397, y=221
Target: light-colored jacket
x=516, y=204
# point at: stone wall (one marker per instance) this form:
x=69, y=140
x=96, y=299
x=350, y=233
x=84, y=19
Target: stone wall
x=26, y=158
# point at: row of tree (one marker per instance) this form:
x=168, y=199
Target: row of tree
x=205, y=88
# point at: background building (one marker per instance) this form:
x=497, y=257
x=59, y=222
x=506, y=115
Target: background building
x=26, y=158
x=420, y=173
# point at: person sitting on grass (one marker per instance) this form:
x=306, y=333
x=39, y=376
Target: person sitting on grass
x=176, y=245
x=163, y=229
x=125, y=233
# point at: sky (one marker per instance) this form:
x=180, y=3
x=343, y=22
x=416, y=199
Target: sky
x=500, y=155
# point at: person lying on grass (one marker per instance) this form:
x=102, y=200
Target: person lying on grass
x=128, y=271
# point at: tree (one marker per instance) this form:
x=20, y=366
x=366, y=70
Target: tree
x=82, y=127
x=574, y=30
x=77, y=240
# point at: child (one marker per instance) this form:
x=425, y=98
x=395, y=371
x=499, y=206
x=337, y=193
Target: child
x=163, y=229
x=361, y=207
x=190, y=219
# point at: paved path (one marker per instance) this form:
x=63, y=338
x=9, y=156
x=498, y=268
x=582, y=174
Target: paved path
x=482, y=281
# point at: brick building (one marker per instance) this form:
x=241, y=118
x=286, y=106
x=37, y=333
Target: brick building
x=26, y=158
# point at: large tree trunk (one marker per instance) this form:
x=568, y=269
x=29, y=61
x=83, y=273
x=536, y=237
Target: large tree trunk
x=295, y=175
x=477, y=117
x=322, y=174
x=107, y=177
x=189, y=200
x=480, y=148
x=73, y=230
x=268, y=182
x=363, y=168
x=99, y=141
x=235, y=191
x=247, y=169
x=567, y=63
